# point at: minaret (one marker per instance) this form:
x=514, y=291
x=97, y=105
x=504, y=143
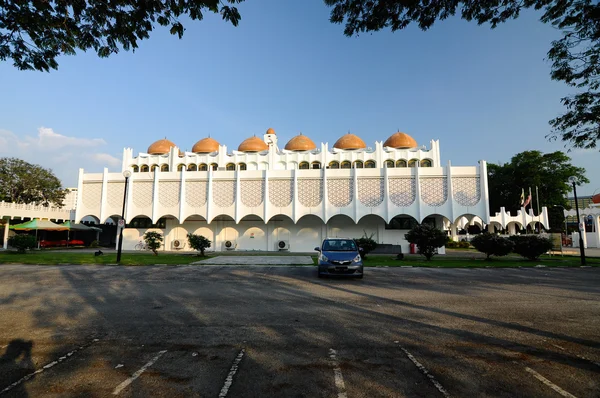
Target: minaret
x=271, y=139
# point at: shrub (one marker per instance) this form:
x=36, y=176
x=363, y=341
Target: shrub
x=531, y=246
x=492, y=245
x=153, y=241
x=94, y=244
x=22, y=242
x=427, y=239
x=367, y=244
x=464, y=244
x=198, y=243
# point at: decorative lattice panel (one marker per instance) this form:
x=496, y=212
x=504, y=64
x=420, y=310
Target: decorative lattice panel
x=281, y=192
x=168, y=193
x=114, y=194
x=195, y=193
x=253, y=192
x=340, y=191
x=224, y=193
x=403, y=191
x=92, y=193
x=467, y=191
x=434, y=190
x=142, y=193
x=371, y=191
x=310, y=191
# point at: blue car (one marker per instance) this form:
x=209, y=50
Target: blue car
x=339, y=256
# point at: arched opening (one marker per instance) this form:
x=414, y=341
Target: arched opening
x=164, y=167
x=401, y=163
x=334, y=164
x=202, y=167
x=358, y=164
x=144, y=168
x=401, y=222
x=180, y=167
x=413, y=162
x=370, y=164
x=230, y=167
x=426, y=163
x=303, y=166
x=388, y=164
x=315, y=165
x=346, y=164
x=135, y=169
x=192, y=167
x=154, y=167
x=214, y=166
x=242, y=166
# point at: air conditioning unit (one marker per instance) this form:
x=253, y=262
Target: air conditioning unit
x=177, y=244
x=229, y=245
x=283, y=245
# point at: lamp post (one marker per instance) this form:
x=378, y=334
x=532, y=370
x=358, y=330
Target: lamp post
x=573, y=180
x=126, y=174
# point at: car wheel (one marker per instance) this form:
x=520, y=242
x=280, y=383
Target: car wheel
x=319, y=274
x=360, y=276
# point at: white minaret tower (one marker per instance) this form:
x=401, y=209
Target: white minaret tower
x=271, y=139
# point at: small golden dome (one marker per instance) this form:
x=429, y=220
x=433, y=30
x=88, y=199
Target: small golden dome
x=350, y=141
x=300, y=143
x=270, y=131
x=400, y=141
x=206, y=145
x=596, y=198
x=160, y=147
x=253, y=144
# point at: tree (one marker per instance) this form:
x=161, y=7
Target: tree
x=531, y=246
x=492, y=245
x=366, y=243
x=34, y=33
x=22, y=182
x=153, y=241
x=22, y=242
x=427, y=238
x=549, y=172
x=198, y=242
x=575, y=57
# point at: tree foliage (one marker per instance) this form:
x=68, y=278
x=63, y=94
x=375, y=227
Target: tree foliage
x=198, y=242
x=22, y=182
x=22, y=242
x=492, y=245
x=575, y=57
x=427, y=238
x=153, y=241
x=531, y=246
x=366, y=243
x=34, y=33
x=549, y=172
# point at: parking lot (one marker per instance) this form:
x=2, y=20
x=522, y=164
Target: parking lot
x=235, y=331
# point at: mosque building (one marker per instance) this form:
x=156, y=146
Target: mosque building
x=263, y=197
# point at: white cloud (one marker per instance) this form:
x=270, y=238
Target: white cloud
x=63, y=154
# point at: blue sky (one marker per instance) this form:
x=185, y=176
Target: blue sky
x=485, y=94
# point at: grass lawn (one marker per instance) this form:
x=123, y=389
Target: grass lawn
x=54, y=258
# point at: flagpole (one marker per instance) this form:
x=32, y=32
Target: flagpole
x=531, y=203
x=537, y=199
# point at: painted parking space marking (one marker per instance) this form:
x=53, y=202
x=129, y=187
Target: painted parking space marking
x=47, y=366
x=337, y=374
x=137, y=374
x=423, y=370
x=550, y=384
x=232, y=371
x=579, y=356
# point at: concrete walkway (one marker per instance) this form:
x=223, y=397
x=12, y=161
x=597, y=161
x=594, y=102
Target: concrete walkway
x=258, y=260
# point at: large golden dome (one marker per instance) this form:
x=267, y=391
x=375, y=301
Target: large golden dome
x=270, y=131
x=400, y=141
x=350, y=141
x=206, y=145
x=160, y=147
x=253, y=144
x=300, y=143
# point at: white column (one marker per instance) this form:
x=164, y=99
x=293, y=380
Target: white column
x=155, y=197
x=6, y=228
x=295, y=196
x=209, y=197
x=237, y=198
x=103, y=196
x=266, y=202
x=325, y=201
x=182, y=203
x=355, y=194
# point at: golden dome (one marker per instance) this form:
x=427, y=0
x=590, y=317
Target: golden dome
x=596, y=198
x=300, y=143
x=350, y=141
x=253, y=144
x=160, y=147
x=400, y=140
x=270, y=131
x=206, y=145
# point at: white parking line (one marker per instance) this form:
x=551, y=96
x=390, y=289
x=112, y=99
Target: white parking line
x=426, y=373
x=337, y=373
x=232, y=372
x=579, y=356
x=550, y=384
x=47, y=366
x=137, y=374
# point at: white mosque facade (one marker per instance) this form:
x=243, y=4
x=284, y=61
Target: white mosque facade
x=266, y=198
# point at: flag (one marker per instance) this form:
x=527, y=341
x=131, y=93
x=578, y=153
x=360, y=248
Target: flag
x=522, y=197
x=528, y=200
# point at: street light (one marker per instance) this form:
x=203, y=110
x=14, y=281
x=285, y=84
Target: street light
x=573, y=180
x=126, y=174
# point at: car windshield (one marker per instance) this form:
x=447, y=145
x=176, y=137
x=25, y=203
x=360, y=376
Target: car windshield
x=339, y=246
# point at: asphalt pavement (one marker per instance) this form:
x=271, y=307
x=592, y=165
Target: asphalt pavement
x=235, y=331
